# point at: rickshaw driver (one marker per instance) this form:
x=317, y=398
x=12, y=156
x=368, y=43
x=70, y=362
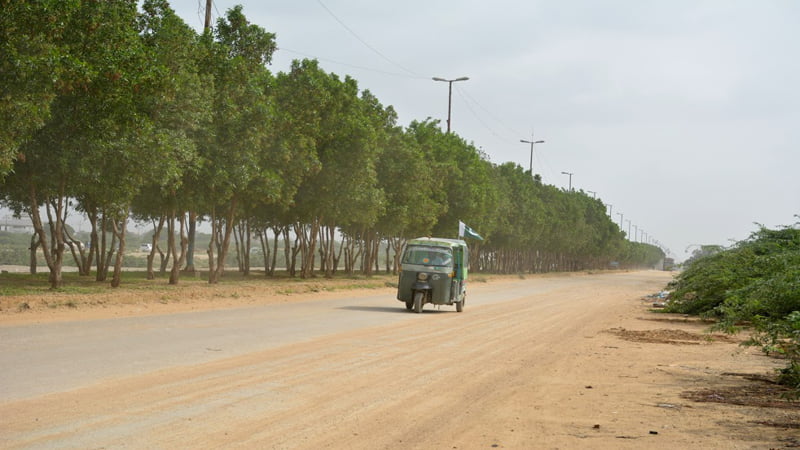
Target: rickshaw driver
x=440, y=259
x=434, y=258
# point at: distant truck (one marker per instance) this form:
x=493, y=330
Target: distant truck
x=669, y=263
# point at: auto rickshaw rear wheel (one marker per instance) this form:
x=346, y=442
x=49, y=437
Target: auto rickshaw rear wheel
x=410, y=305
x=460, y=305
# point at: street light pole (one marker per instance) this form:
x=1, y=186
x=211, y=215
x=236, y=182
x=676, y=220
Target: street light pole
x=620, y=220
x=532, y=141
x=570, y=179
x=450, y=95
x=594, y=194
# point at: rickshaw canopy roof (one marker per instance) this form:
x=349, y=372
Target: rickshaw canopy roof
x=438, y=242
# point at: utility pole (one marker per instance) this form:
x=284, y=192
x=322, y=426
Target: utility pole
x=208, y=15
x=449, y=95
x=570, y=179
x=192, y=231
x=532, y=141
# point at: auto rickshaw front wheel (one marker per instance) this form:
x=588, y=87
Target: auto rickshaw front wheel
x=419, y=301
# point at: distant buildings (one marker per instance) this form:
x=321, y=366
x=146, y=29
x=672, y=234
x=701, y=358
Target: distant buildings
x=12, y=225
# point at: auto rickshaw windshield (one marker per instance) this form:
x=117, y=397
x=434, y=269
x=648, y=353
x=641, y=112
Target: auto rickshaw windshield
x=427, y=256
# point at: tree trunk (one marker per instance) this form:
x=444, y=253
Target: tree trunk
x=272, y=266
x=397, y=245
x=227, y=229
x=291, y=255
x=330, y=244
x=119, y=231
x=247, y=246
x=307, y=268
x=388, y=248
x=77, y=250
x=34, y=245
x=110, y=253
x=94, y=241
x=212, y=268
x=173, y=278
x=266, y=251
x=290, y=252
x=51, y=256
x=337, y=258
x=300, y=231
x=104, y=251
x=154, y=247
x=177, y=258
x=190, y=249
x=237, y=245
x=241, y=235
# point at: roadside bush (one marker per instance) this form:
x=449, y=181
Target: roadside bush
x=756, y=284
x=706, y=283
x=15, y=256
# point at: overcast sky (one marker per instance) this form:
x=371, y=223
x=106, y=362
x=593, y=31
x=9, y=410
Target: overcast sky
x=684, y=115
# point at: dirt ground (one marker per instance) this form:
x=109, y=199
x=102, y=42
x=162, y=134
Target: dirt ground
x=583, y=366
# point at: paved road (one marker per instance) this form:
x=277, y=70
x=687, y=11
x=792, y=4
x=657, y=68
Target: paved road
x=529, y=364
x=44, y=358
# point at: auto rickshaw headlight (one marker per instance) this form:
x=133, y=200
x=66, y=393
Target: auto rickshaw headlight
x=422, y=276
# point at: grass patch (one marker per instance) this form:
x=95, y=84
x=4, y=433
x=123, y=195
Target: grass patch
x=32, y=288
x=19, y=284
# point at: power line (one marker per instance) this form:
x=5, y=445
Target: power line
x=201, y=12
x=385, y=72
x=407, y=73
x=544, y=166
x=215, y=8
x=546, y=169
x=515, y=132
x=365, y=42
x=469, y=107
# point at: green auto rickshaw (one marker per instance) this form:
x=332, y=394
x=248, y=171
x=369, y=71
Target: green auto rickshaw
x=433, y=270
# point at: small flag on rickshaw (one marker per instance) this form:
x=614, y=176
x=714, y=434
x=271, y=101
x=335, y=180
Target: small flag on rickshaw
x=464, y=230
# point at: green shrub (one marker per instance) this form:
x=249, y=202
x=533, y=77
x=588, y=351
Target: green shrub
x=706, y=283
x=756, y=283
